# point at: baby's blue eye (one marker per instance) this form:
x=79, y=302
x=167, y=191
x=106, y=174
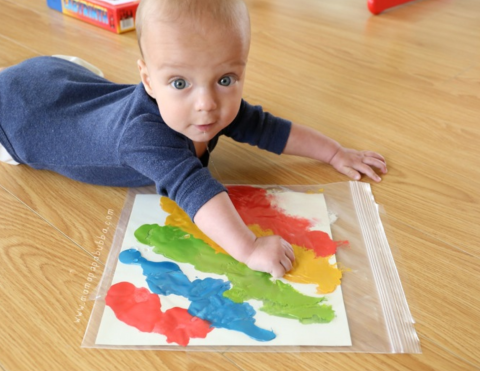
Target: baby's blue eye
x=226, y=81
x=179, y=84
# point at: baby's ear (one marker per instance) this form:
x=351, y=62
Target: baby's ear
x=142, y=68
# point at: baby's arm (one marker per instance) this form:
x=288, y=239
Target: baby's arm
x=307, y=142
x=219, y=220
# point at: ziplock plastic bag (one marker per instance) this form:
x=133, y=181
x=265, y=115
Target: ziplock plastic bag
x=376, y=308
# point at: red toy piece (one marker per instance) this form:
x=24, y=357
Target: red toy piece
x=378, y=6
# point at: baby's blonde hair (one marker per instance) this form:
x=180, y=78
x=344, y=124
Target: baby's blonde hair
x=230, y=14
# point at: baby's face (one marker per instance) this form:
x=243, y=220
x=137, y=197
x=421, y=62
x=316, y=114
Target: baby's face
x=196, y=79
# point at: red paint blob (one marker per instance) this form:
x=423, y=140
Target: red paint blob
x=141, y=309
x=254, y=206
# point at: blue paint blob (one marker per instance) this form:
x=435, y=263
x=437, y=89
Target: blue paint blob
x=205, y=295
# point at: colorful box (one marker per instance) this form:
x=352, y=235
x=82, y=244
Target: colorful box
x=114, y=15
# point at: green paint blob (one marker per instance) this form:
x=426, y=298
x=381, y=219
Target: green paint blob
x=279, y=299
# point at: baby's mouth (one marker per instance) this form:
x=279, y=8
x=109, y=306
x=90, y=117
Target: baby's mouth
x=206, y=127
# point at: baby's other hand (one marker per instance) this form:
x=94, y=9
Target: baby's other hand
x=271, y=254
x=353, y=163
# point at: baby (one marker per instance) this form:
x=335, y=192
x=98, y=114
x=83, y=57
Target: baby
x=59, y=116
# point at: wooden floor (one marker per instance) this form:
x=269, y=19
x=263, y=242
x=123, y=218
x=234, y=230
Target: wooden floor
x=405, y=83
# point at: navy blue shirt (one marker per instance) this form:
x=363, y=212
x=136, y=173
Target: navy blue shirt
x=59, y=116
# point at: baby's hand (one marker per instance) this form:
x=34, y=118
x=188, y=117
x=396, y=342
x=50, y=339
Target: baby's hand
x=352, y=162
x=271, y=254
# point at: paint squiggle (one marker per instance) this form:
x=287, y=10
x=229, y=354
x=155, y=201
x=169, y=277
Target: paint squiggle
x=308, y=267
x=206, y=296
x=279, y=299
x=179, y=218
x=139, y=308
x=255, y=207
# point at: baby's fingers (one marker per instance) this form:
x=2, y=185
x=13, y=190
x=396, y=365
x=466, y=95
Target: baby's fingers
x=377, y=163
x=286, y=263
x=376, y=155
x=350, y=172
x=368, y=171
x=355, y=173
x=288, y=250
x=278, y=271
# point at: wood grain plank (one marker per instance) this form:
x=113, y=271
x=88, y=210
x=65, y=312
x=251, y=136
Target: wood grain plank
x=13, y=52
x=42, y=282
x=49, y=32
x=441, y=285
x=432, y=358
x=85, y=214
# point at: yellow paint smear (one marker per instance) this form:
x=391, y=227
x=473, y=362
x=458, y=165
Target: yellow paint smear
x=179, y=218
x=310, y=269
x=306, y=269
x=314, y=191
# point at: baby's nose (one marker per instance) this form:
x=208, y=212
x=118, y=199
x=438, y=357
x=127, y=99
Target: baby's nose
x=206, y=101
